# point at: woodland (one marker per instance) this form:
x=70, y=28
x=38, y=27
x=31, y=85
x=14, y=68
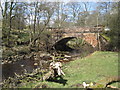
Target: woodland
x=28, y=44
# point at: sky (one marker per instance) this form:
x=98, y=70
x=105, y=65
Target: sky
x=92, y=4
x=62, y=0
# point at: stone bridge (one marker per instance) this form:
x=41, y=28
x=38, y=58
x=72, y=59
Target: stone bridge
x=90, y=35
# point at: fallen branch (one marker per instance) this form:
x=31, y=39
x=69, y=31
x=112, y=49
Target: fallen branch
x=54, y=70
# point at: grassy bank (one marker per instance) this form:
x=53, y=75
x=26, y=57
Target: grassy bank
x=92, y=68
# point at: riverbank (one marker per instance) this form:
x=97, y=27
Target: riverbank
x=93, y=68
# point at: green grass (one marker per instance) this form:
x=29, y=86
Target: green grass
x=92, y=68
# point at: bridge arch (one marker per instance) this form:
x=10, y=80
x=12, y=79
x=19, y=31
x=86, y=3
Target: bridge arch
x=90, y=35
x=90, y=40
x=60, y=45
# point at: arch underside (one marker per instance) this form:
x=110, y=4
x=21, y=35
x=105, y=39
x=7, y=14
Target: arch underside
x=61, y=44
x=91, y=39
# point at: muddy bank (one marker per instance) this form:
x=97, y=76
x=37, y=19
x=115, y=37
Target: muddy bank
x=27, y=63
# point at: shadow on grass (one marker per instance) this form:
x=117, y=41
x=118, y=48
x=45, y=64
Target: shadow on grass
x=58, y=79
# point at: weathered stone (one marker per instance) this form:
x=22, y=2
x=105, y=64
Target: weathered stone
x=15, y=60
x=35, y=64
x=35, y=58
x=2, y=63
x=66, y=56
x=22, y=65
x=10, y=62
x=65, y=59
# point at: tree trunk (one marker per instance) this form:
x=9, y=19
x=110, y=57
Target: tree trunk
x=10, y=23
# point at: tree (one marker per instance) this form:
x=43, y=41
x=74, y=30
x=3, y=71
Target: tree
x=42, y=16
x=7, y=13
x=83, y=14
x=105, y=9
x=114, y=24
x=75, y=8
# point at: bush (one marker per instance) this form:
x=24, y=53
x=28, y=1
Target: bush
x=8, y=53
x=114, y=31
x=23, y=50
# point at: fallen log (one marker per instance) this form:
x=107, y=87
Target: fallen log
x=54, y=71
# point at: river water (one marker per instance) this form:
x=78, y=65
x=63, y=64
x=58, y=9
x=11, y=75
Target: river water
x=28, y=64
x=18, y=67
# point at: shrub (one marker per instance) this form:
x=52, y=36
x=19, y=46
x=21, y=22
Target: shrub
x=7, y=53
x=23, y=50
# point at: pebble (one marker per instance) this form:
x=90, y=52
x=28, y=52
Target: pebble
x=65, y=59
x=2, y=63
x=10, y=62
x=22, y=65
x=67, y=56
x=14, y=60
x=35, y=64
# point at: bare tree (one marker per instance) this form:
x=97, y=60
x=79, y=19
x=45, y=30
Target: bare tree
x=75, y=8
x=43, y=14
